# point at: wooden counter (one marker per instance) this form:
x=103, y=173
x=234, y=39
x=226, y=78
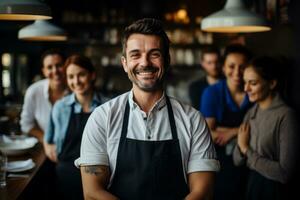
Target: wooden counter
x=16, y=187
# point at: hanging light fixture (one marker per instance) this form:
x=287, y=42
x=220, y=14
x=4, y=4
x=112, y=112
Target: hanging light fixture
x=24, y=10
x=233, y=18
x=42, y=30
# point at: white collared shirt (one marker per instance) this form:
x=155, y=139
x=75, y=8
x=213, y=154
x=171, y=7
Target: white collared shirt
x=36, y=106
x=101, y=135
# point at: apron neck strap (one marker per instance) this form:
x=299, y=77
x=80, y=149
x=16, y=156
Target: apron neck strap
x=171, y=119
x=125, y=122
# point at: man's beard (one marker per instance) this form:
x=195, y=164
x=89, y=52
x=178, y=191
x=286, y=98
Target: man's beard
x=158, y=84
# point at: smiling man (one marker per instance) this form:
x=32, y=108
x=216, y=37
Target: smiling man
x=144, y=144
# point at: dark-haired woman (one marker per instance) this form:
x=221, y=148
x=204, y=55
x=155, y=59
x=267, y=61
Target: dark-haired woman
x=68, y=118
x=267, y=138
x=224, y=105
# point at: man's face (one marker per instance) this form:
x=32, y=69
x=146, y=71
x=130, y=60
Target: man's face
x=144, y=62
x=211, y=64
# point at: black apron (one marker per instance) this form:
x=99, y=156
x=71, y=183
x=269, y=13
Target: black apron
x=230, y=180
x=68, y=176
x=261, y=188
x=149, y=170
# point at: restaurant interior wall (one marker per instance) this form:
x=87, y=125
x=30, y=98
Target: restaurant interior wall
x=94, y=28
x=91, y=22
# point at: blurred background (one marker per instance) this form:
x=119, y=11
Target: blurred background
x=94, y=28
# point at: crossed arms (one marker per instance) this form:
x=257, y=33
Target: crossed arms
x=95, y=180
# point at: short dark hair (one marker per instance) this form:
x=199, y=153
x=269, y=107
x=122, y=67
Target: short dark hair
x=52, y=52
x=210, y=50
x=81, y=61
x=148, y=26
x=237, y=48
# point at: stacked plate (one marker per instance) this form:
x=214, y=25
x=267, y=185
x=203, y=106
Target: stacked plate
x=20, y=166
x=19, y=146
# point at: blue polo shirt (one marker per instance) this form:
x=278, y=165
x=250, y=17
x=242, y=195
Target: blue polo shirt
x=216, y=99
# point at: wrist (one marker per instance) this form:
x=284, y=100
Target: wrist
x=243, y=150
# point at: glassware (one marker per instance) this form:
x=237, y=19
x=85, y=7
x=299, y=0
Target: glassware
x=3, y=166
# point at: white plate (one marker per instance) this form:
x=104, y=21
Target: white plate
x=18, y=146
x=28, y=167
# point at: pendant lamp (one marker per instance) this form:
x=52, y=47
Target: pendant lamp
x=42, y=30
x=234, y=18
x=24, y=10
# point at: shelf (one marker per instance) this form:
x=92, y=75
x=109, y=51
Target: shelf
x=102, y=41
x=122, y=25
x=189, y=46
x=96, y=42
x=118, y=68
x=93, y=42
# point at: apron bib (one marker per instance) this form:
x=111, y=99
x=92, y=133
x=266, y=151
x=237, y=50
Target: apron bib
x=68, y=176
x=149, y=170
x=261, y=188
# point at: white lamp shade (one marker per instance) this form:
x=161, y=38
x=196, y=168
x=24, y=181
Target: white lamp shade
x=42, y=30
x=234, y=18
x=24, y=10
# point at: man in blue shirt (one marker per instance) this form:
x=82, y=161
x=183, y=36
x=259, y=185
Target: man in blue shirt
x=210, y=63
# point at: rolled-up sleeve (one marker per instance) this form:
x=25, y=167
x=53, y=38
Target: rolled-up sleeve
x=94, y=143
x=202, y=155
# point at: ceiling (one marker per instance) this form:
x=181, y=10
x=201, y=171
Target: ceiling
x=136, y=8
x=130, y=8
